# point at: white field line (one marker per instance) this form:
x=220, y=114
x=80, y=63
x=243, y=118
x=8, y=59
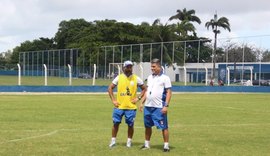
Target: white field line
x=32, y=137
x=43, y=135
x=93, y=129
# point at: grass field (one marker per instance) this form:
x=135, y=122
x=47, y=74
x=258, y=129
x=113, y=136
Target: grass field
x=80, y=124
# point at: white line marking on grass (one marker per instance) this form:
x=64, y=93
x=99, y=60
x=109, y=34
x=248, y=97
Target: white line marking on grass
x=32, y=137
x=94, y=129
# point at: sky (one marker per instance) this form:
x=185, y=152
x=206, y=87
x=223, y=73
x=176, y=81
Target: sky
x=22, y=20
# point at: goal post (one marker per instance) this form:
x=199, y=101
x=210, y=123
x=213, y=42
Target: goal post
x=115, y=69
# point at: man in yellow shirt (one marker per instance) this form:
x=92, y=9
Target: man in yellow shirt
x=125, y=103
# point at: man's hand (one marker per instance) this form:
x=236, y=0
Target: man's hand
x=135, y=100
x=141, y=107
x=115, y=103
x=164, y=110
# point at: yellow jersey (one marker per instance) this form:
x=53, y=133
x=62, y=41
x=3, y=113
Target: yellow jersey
x=126, y=91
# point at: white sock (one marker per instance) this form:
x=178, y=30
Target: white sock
x=166, y=145
x=129, y=140
x=147, y=143
x=113, y=140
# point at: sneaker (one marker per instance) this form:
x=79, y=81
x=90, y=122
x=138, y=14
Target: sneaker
x=129, y=144
x=112, y=145
x=145, y=147
x=166, y=150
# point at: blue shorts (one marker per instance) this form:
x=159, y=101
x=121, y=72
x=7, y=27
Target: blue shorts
x=130, y=115
x=153, y=116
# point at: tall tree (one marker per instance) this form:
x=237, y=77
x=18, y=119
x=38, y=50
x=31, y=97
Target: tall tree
x=266, y=56
x=70, y=31
x=186, y=15
x=185, y=26
x=215, y=24
x=35, y=45
x=162, y=33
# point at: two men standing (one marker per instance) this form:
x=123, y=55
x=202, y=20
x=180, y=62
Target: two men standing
x=155, y=100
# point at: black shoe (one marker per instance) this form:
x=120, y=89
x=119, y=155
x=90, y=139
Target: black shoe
x=144, y=147
x=166, y=150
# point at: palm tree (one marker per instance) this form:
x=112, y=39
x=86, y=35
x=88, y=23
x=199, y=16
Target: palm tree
x=162, y=33
x=183, y=28
x=215, y=23
x=186, y=17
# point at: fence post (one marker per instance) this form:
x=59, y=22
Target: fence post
x=119, y=69
x=19, y=74
x=69, y=75
x=251, y=75
x=141, y=72
x=185, y=75
x=94, y=75
x=206, y=75
x=228, y=75
x=45, y=74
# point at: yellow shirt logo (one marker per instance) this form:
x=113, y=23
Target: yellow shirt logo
x=126, y=91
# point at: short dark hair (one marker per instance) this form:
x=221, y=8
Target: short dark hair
x=156, y=61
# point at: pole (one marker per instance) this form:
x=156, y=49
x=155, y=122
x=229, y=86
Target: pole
x=228, y=75
x=251, y=75
x=243, y=59
x=19, y=74
x=119, y=69
x=94, y=75
x=69, y=75
x=141, y=72
x=141, y=52
x=185, y=75
x=185, y=49
x=197, y=76
x=206, y=75
x=45, y=75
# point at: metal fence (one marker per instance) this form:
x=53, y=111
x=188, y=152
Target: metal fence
x=235, y=52
x=32, y=62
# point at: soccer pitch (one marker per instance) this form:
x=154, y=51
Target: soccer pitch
x=80, y=124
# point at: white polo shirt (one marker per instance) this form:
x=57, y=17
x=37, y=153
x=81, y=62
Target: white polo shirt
x=156, y=90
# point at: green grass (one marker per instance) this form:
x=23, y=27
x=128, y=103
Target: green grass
x=80, y=124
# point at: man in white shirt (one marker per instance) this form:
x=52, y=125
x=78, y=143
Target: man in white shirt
x=156, y=102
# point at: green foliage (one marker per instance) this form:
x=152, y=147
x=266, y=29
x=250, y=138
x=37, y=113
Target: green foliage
x=266, y=56
x=35, y=45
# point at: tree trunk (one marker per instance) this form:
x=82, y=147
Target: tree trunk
x=214, y=58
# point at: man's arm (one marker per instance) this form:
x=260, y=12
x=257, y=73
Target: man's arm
x=168, y=96
x=143, y=90
x=110, y=92
x=143, y=100
x=167, y=101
